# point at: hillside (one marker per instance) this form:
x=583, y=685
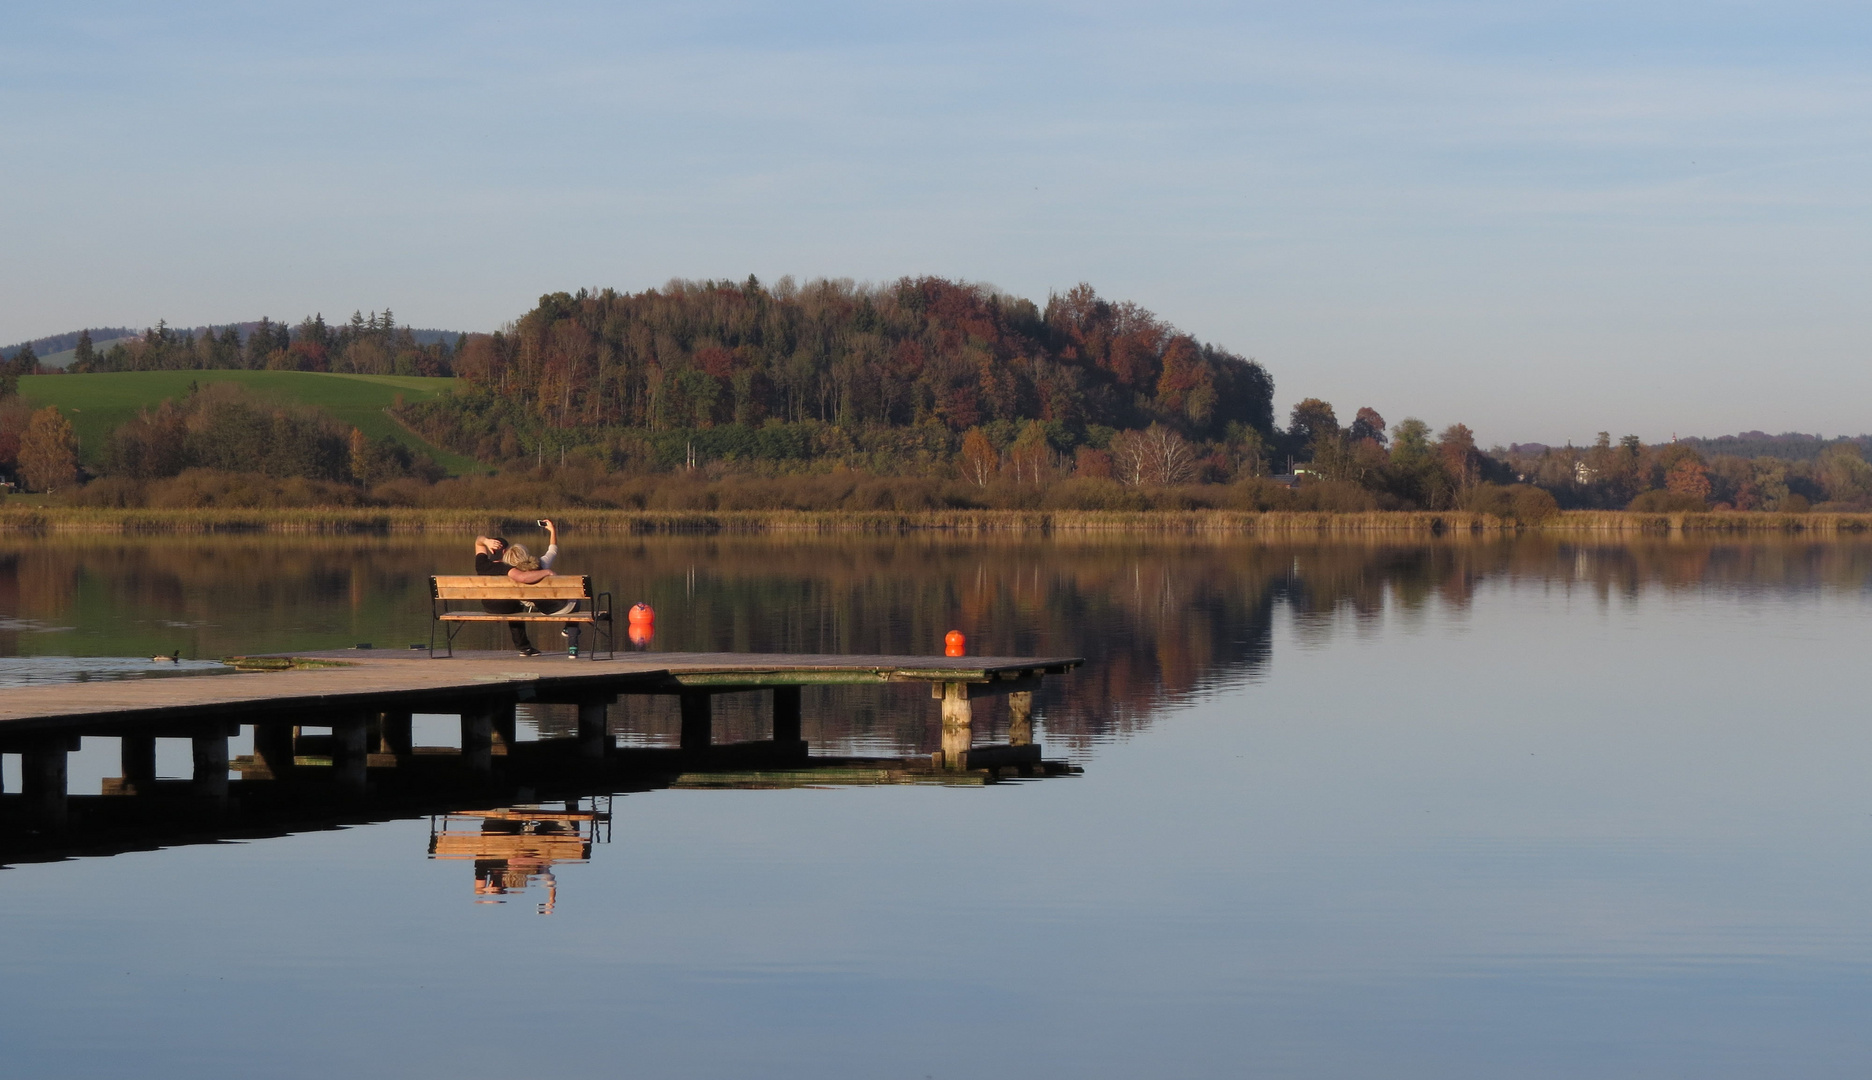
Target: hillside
x=99, y=403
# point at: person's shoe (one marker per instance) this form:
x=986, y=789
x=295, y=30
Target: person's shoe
x=529, y=651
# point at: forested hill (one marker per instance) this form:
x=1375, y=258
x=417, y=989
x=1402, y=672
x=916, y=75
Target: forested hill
x=694, y=355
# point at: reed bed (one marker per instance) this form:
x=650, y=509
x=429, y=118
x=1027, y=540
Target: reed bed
x=1212, y=522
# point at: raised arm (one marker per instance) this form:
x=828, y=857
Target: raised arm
x=552, y=544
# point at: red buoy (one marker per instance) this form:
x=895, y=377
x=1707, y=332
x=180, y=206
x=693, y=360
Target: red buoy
x=954, y=643
x=642, y=624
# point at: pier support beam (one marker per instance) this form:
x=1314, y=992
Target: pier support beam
x=697, y=720
x=211, y=763
x=958, y=725
x=477, y=739
x=138, y=757
x=397, y=734
x=42, y=776
x=786, y=714
x=350, y=750
x=273, y=749
x=593, y=733
x=1020, y=718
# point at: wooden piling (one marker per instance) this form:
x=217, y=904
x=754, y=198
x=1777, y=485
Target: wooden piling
x=396, y=734
x=210, y=750
x=786, y=714
x=477, y=739
x=350, y=751
x=697, y=720
x=42, y=776
x=593, y=731
x=137, y=756
x=1020, y=718
x=273, y=749
x=505, y=723
x=958, y=725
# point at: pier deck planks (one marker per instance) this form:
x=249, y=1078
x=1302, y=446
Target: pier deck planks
x=391, y=680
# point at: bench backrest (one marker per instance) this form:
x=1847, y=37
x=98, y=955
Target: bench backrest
x=477, y=587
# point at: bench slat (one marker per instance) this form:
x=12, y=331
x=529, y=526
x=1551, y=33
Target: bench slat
x=522, y=616
x=476, y=587
x=517, y=592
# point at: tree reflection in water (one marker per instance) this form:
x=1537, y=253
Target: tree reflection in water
x=1159, y=619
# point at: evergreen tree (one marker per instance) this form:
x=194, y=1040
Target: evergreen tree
x=24, y=362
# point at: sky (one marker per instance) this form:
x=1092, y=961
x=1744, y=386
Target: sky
x=1542, y=220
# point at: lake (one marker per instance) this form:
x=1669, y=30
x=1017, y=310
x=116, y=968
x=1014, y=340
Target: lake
x=1402, y=808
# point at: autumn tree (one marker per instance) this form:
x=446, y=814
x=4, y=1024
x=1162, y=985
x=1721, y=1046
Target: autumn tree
x=1156, y=455
x=48, y=453
x=1844, y=474
x=1456, y=450
x=980, y=462
x=1367, y=426
x=1688, y=477
x=1030, y=458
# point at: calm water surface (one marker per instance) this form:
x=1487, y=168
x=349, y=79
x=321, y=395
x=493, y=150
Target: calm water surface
x=1409, y=810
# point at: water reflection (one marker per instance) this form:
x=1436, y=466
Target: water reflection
x=1535, y=808
x=516, y=847
x=1160, y=620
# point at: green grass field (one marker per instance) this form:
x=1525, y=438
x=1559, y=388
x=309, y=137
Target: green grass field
x=98, y=403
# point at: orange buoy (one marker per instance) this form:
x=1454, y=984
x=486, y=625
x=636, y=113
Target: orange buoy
x=640, y=633
x=954, y=643
x=641, y=612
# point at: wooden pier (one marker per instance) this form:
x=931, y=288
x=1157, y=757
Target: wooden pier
x=367, y=699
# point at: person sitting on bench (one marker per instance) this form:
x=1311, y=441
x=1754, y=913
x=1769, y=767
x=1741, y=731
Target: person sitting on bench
x=489, y=551
x=525, y=569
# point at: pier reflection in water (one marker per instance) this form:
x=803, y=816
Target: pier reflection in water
x=515, y=847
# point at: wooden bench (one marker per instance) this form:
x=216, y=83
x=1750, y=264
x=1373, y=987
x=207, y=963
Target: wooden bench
x=448, y=591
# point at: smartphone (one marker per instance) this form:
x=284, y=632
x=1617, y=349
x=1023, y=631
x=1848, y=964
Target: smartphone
x=541, y=523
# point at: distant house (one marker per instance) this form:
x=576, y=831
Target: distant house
x=1583, y=473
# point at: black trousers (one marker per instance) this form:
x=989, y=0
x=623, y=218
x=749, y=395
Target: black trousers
x=515, y=630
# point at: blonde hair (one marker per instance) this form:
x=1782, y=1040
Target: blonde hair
x=518, y=557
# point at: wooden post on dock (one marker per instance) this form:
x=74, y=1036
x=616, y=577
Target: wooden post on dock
x=42, y=776
x=397, y=734
x=697, y=720
x=273, y=749
x=350, y=751
x=593, y=731
x=1020, y=718
x=958, y=720
x=786, y=714
x=477, y=738
x=210, y=747
x=138, y=763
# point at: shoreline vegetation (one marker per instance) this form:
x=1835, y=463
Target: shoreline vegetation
x=922, y=404
x=69, y=519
